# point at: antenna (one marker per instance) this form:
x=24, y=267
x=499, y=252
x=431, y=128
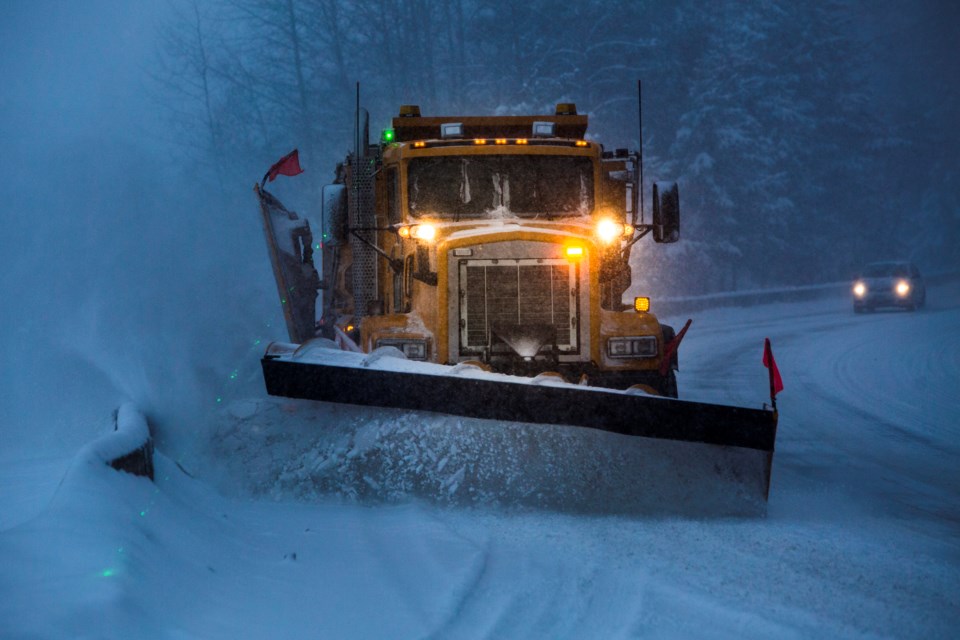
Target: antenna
x=356, y=125
x=640, y=152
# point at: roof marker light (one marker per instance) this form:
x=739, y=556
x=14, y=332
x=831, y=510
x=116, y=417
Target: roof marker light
x=451, y=130
x=544, y=129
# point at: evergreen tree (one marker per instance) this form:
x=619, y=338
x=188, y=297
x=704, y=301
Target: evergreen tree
x=762, y=110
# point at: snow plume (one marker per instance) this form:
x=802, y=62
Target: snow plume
x=309, y=450
x=99, y=342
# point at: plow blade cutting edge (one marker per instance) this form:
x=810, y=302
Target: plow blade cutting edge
x=731, y=443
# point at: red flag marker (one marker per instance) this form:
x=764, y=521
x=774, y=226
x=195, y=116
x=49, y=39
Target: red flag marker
x=288, y=165
x=776, y=382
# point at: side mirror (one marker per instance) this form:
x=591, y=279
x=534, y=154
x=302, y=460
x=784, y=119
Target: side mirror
x=666, y=212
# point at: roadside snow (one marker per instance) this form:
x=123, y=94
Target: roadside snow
x=861, y=537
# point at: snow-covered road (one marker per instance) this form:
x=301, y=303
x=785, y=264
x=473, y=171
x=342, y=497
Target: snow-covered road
x=861, y=539
x=873, y=410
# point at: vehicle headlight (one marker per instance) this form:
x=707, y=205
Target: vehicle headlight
x=412, y=348
x=859, y=289
x=426, y=232
x=902, y=288
x=632, y=347
x=609, y=230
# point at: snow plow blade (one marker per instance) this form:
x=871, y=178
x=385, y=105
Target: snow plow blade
x=743, y=437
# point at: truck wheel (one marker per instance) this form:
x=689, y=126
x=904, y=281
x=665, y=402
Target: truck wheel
x=668, y=385
x=669, y=333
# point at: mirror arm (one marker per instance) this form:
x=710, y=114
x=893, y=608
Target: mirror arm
x=395, y=263
x=642, y=230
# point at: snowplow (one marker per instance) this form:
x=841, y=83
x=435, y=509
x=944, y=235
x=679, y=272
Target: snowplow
x=477, y=266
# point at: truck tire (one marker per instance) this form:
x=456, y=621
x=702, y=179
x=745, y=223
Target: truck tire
x=669, y=333
x=668, y=385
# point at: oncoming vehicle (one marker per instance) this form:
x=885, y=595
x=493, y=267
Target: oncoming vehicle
x=889, y=284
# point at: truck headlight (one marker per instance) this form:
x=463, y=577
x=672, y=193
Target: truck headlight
x=412, y=348
x=426, y=232
x=609, y=230
x=632, y=347
x=903, y=288
x=859, y=289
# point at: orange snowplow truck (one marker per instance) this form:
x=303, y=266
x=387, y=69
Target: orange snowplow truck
x=499, y=240
x=502, y=242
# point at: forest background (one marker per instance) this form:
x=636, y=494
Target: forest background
x=807, y=138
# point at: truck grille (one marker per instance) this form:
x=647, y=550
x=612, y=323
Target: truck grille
x=517, y=292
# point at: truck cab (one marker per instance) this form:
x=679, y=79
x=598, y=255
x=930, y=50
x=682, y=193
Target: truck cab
x=503, y=241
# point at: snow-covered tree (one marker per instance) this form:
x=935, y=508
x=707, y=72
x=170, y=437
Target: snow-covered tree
x=764, y=111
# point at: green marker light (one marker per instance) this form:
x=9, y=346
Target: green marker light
x=388, y=135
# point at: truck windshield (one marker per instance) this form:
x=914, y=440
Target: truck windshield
x=525, y=186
